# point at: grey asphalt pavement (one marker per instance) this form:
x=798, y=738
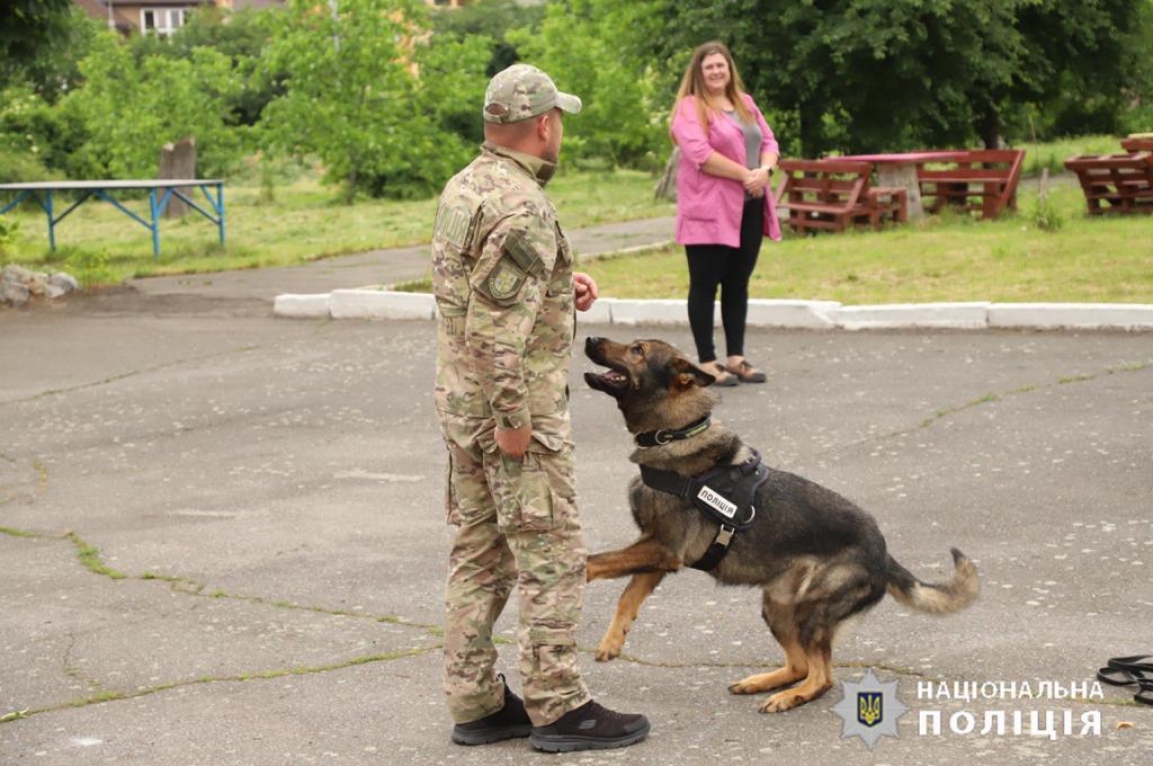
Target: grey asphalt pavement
x=223, y=540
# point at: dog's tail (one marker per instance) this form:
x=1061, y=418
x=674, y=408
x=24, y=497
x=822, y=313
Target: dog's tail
x=935, y=598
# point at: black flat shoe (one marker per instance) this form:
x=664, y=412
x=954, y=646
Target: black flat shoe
x=510, y=722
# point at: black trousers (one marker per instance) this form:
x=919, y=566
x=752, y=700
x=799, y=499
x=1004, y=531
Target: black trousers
x=730, y=268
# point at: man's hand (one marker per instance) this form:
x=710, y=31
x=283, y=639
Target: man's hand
x=584, y=290
x=514, y=441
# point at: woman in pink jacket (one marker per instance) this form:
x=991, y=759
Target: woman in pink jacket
x=724, y=204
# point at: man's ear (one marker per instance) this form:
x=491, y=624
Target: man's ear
x=543, y=126
x=689, y=374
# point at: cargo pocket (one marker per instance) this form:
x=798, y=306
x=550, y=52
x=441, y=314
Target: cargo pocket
x=555, y=668
x=523, y=493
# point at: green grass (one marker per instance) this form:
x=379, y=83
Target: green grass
x=942, y=258
x=303, y=223
x=1053, y=155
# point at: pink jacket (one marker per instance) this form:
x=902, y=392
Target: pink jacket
x=708, y=207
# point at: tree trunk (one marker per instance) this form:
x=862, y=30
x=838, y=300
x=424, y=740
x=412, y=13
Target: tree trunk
x=667, y=186
x=178, y=160
x=808, y=128
x=991, y=128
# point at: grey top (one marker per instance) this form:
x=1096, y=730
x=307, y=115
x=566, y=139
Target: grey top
x=753, y=138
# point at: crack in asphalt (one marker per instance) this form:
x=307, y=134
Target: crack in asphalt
x=90, y=558
x=129, y=374
x=988, y=398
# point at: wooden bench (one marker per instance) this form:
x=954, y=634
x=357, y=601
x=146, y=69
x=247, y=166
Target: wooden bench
x=984, y=181
x=832, y=195
x=1124, y=181
x=1137, y=144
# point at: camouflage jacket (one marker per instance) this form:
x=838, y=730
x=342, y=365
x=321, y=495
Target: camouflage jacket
x=502, y=276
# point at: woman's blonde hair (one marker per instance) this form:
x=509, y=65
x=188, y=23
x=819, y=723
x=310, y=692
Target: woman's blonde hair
x=693, y=84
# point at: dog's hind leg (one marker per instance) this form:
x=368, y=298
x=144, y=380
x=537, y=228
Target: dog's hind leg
x=629, y=605
x=816, y=683
x=816, y=625
x=782, y=622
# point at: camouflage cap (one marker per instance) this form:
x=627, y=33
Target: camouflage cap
x=523, y=91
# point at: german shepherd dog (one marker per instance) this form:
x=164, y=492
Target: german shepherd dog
x=818, y=558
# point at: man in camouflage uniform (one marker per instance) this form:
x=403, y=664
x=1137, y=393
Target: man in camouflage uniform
x=506, y=293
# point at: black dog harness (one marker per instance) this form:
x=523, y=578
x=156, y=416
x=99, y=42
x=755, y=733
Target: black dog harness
x=725, y=494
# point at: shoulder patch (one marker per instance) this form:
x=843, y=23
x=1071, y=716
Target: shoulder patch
x=504, y=282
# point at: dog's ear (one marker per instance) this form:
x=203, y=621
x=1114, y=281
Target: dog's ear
x=689, y=374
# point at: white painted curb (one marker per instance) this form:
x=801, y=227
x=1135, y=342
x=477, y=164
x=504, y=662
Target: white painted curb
x=302, y=306
x=1089, y=316
x=633, y=312
x=962, y=316
x=815, y=315
x=367, y=303
x=381, y=304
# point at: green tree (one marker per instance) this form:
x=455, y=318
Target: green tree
x=493, y=19
x=41, y=43
x=38, y=140
x=1086, y=65
x=591, y=48
x=240, y=35
x=132, y=111
x=861, y=75
x=356, y=95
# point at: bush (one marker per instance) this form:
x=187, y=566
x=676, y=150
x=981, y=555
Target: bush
x=23, y=167
x=90, y=267
x=8, y=229
x=1046, y=216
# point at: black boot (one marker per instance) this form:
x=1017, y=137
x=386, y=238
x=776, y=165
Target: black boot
x=590, y=727
x=507, y=723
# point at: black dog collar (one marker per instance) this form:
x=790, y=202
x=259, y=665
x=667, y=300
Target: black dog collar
x=666, y=435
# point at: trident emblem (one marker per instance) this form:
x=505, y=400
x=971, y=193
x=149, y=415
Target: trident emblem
x=870, y=708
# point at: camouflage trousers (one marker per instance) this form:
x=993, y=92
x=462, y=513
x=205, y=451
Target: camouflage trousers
x=517, y=526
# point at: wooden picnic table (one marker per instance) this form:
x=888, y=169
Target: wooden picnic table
x=899, y=170
x=1138, y=143
x=1115, y=183
x=832, y=195
x=160, y=192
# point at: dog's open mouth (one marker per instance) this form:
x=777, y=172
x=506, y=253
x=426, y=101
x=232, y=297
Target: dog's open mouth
x=612, y=382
